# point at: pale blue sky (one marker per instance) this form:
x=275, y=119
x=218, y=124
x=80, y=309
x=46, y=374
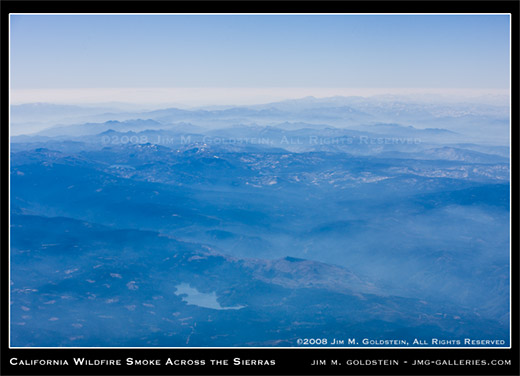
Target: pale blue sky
x=328, y=51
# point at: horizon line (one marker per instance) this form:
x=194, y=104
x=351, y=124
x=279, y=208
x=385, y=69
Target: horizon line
x=211, y=96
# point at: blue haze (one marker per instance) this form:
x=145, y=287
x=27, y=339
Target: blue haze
x=310, y=217
x=378, y=215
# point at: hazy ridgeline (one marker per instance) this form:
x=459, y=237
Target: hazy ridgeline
x=381, y=218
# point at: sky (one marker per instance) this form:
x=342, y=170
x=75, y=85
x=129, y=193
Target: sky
x=147, y=57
